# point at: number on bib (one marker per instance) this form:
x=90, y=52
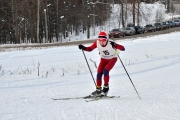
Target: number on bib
x=106, y=52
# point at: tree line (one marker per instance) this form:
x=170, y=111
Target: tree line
x=30, y=21
x=42, y=21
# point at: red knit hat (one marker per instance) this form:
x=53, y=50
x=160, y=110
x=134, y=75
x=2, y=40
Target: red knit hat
x=103, y=33
x=102, y=36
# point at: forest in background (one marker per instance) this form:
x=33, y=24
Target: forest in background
x=39, y=21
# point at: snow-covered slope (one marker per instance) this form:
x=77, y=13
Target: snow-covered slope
x=153, y=64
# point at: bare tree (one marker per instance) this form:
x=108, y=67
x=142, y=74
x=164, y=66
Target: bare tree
x=138, y=12
x=133, y=2
x=37, y=34
x=159, y=16
x=122, y=13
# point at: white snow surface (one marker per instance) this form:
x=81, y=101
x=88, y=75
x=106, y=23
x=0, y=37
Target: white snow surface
x=153, y=64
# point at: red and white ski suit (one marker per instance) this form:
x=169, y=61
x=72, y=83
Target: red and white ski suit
x=108, y=59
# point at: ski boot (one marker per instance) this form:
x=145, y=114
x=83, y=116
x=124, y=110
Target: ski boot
x=97, y=92
x=104, y=91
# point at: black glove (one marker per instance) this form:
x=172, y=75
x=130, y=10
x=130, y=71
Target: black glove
x=82, y=47
x=113, y=44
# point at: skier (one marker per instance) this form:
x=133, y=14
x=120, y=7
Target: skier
x=108, y=54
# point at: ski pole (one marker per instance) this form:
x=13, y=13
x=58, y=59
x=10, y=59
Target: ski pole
x=89, y=68
x=128, y=76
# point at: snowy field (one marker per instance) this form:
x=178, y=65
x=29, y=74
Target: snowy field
x=153, y=64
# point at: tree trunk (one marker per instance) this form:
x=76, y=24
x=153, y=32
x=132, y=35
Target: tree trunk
x=57, y=24
x=134, y=12
x=122, y=13
x=37, y=37
x=138, y=13
x=13, y=25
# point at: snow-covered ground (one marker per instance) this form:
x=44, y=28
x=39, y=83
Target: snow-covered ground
x=153, y=64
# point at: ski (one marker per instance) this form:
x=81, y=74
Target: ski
x=70, y=98
x=67, y=98
x=99, y=98
x=87, y=98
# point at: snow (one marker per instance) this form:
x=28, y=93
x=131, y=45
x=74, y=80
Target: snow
x=152, y=63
